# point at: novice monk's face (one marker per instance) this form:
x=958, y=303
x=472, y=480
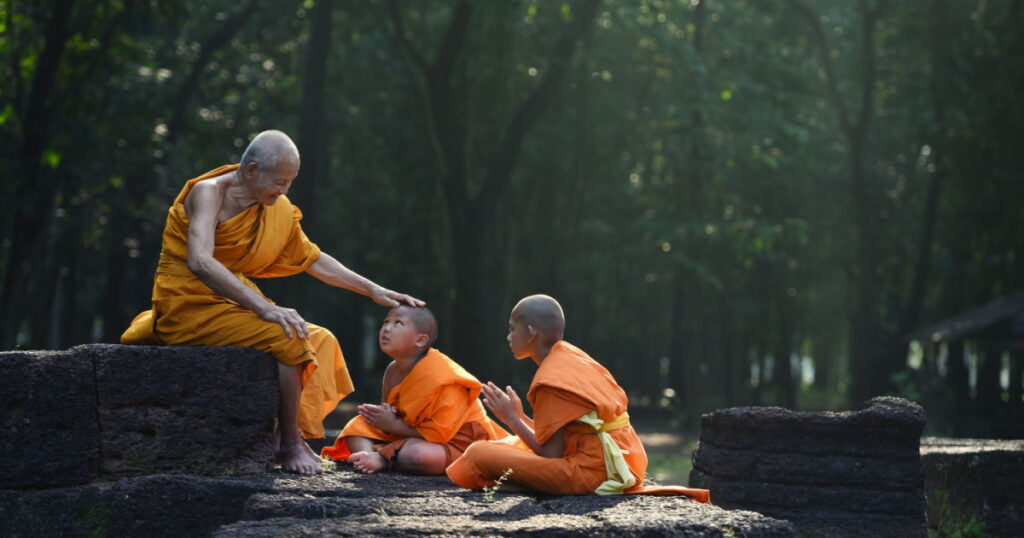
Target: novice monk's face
x=398, y=335
x=518, y=338
x=272, y=184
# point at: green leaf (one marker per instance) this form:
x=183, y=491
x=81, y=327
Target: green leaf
x=566, y=12
x=51, y=158
x=726, y=95
x=6, y=114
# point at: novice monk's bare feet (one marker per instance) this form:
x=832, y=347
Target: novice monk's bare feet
x=298, y=458
x=368, y=462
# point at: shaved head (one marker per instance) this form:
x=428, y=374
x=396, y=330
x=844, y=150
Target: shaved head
x=268, y=150
x=543, y=313
x=423, y=319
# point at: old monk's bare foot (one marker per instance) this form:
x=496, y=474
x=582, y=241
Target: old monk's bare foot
x=276, y=444
x=368, y=462
x=310, y=451
x=297, y=458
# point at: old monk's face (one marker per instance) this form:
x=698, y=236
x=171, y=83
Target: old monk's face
x=271, y=184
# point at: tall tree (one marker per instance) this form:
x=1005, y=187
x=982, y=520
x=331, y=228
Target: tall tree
x=35, y=186
x=868, y=375
x=470, y=208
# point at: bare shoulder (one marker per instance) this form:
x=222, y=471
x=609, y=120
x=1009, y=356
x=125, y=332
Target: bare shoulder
x=392, y=377
x=391, y=372
x=205, y=197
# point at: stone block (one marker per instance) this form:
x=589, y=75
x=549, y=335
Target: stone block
x=49, y=433
x=199, y=410
x=977, y=478
x=881, y=427
x=828, y=470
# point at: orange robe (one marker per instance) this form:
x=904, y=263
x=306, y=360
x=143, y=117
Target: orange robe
x=261, y=241
x=568, y=385
x=439, y=399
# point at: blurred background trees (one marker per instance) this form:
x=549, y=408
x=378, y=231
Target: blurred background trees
x=736, y=202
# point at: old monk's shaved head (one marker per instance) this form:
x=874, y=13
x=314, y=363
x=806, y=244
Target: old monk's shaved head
x=268, y=150
x=543, y=313
x=423, y=319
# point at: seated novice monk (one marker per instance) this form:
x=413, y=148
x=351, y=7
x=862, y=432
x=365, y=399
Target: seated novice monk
x=580, y=440
x=233, y=224
x=429, y=411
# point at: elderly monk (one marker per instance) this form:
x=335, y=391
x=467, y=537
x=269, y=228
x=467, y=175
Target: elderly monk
x=231, y=224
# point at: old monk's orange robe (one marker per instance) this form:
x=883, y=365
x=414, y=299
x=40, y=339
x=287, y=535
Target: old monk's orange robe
x=603, y=453
x=438, y=398
x=261, y=241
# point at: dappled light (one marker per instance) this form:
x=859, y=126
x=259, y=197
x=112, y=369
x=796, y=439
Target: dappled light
x=737, y=202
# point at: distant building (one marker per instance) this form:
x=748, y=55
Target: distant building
x=981, y=354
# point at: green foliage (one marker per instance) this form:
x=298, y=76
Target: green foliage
x=686, y=192
x=671, y=467
x=951, y=519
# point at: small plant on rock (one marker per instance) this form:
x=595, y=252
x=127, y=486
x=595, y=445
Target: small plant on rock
x=489, y=491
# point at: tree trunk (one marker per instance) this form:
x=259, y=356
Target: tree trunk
x=479, y=271
x=989, y=392
x=957, y=381
x=1016, y=389
x=729, y=359
x=38, y=187
x=868, y=371
x=783, y=373
x=313, y=136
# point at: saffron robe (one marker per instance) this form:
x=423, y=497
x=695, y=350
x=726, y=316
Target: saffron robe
x=440, y=399
x=261, y=242
x=569, y=386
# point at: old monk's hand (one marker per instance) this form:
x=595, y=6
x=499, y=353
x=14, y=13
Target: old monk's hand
x=391, y=299
x=288, y=318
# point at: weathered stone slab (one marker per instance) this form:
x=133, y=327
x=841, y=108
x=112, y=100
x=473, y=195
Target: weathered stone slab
x=979, y=478
x=151, y=506
x=800, y=469
x=881, y=427
x=855, y=473
x=201, y=410
x=399, y=505
x=72, y=511
x=776, y=498
x=347, y=503
x=47, y=395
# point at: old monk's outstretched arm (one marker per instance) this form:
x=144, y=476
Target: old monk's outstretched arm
x=202, y=206
x=331, y=271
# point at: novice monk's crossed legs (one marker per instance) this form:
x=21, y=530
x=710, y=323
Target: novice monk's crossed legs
x=421, y=457
x=364, y=458
x=415, y=456
x=486, y=461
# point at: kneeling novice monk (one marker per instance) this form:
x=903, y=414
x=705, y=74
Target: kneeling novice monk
x=429, y=411
x=580, y=440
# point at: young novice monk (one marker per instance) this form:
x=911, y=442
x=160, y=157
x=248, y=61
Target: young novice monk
x=429, y=411
x=580, y=440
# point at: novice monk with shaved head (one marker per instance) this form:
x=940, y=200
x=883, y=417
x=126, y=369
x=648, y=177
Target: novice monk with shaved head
x=429, y=411
x=580, y=440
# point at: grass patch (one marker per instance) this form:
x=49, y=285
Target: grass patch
x=671, y=467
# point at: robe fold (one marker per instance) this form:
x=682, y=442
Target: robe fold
x=440, y=399
x=571, y=390
x=259, y=242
